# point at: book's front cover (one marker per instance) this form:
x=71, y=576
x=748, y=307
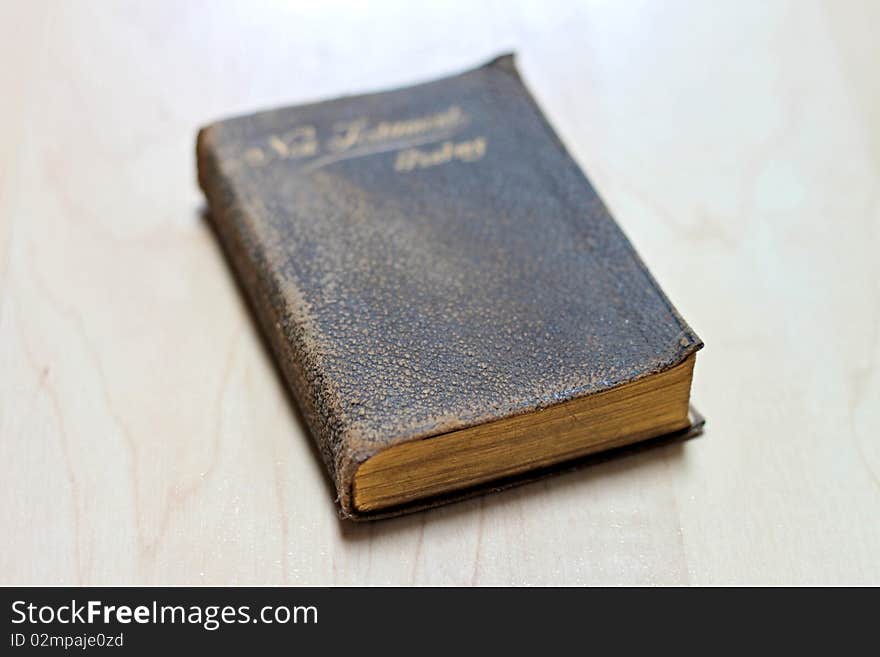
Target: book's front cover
x=428, y=259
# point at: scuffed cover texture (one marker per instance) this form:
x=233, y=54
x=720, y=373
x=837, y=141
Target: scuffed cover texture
x=427, y=259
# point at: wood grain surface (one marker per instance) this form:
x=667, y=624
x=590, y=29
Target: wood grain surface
x=145, y=436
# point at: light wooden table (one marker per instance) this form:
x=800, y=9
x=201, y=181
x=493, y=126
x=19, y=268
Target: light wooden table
x=144, y=434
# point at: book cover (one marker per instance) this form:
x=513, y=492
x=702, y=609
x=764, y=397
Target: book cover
x=427, y=260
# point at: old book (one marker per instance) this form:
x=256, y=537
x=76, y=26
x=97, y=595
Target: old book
x=450, y=301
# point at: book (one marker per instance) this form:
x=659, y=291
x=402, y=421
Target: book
x=450, y=302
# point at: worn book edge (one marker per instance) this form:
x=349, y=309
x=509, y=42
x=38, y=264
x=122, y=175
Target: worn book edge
x=695, y=429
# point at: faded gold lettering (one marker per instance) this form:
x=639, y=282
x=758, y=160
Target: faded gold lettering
x=351, y=134
x=360, y=136
x=278, y=146
x=346, y=135
x=417, y=158
x=299, y=142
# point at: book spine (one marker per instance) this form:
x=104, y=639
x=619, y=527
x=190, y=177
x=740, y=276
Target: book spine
x=287, y=337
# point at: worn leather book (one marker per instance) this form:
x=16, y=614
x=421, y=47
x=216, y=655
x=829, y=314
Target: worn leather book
x=451, y=303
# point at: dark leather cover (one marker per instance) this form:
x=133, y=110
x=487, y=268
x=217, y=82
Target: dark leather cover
x=427, y=259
